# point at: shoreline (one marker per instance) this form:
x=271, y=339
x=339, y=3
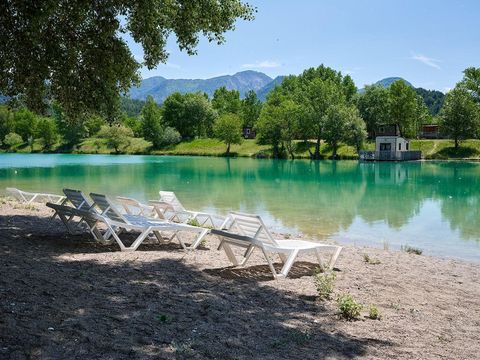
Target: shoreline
x=62, y=291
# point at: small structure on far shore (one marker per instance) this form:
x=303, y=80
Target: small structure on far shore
x=248, y=132
x=390, y=146
x=430, y=131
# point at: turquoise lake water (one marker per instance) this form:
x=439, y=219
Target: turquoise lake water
x=431, y=205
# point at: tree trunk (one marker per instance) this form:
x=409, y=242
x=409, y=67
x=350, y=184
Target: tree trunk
x=456, y=143
x=334, y=154
x=316, y=155
x=228, y=150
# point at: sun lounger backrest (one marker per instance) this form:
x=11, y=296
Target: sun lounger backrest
x=161, y=208
x=107, y=208
x=77, y=198
x=251, y=226
x=171, y=198
x=17, y=194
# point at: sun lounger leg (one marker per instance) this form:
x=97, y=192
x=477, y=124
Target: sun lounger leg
x=289, y=262
x=199, y=239
x=270, y=265
x=319, y=258
x=247, y=254
x=334, y=257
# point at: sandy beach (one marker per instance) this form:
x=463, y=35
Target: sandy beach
x=65, y=297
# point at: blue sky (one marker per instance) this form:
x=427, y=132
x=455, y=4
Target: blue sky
x=427, y=42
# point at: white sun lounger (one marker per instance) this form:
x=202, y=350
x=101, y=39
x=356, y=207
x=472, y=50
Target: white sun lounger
x=183, y=215
x=30, y=197
x=249, y=232
x=79, y=201
x=88, y=216
x=115, y=220
x=135, y=207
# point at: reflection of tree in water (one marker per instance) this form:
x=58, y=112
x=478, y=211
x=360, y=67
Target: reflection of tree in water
x=318, y=198
x=460, y=199
x=392, y=193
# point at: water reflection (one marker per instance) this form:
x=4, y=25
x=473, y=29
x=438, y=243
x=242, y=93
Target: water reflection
x=432, y=204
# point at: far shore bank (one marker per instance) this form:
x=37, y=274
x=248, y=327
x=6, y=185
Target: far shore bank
x=431, y=149
x=60, y=291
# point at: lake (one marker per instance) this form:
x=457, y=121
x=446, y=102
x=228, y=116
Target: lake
x=431, y=205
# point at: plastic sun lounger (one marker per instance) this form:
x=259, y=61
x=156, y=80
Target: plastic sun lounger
x=183, y=215
x=88, y=216
x=115, y=220
x=249, y=232
x=135, y=207
x=79, y=201
x=29, y=197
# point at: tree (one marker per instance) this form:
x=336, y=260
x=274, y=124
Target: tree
x=356, y=131
x=226, y=101
x=250, y=109
x=6, y=122
x=460, y=115
x=72, y=130
x=94, y=123
x=404, y=108
x=134, y=123
x=191, y=114
x=117, y=136
x=47, y=131
x=335, y=126
x=228, y=128
x=279, y=123
x=12, y=140
x=151, y=122
x=471, y=82
x=25, y=123
x=374, y=107
x=170, y=136
x=74, y=51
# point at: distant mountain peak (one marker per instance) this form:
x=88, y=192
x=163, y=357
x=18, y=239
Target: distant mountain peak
x=390, y=80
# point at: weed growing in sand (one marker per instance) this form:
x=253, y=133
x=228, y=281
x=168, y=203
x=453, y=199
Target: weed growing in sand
x=324, y=282
x=287, y=236
x=193, y=222
x=411, y=250
x=370, y=260
x=374, y=313
x=349, y=308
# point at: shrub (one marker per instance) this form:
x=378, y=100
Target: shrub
x=349, y=308
x=228, y=128
x=12, y=140
x=170, y=136
x=324, y=282
x=374, y=313
x=25, y=123
x=93, y=124
x=411, y=250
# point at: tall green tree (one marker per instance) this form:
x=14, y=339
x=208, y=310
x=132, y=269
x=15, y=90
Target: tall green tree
x=7, y=124
x=226, y=101
x=471, y=82
x=25, y=124
x=460, y=115
x=404, y=108
x=191, y=114
x=72, y=130
x=117, y=136
x=374, y=107
x=75, y=52
x=151, y=122
x=250, y=109
x=228, y=129
x=47, y=131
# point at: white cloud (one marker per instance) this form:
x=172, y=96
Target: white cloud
x=172, y=65
x=426, y=60
x=266, y=64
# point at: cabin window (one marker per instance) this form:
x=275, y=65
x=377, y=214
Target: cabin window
x=399, y=146
x=385, y=146
x=247, y=131
x=381, y=129
x=406, y=146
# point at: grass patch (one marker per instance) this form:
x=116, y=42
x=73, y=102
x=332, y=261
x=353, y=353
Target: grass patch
x=411, y=249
